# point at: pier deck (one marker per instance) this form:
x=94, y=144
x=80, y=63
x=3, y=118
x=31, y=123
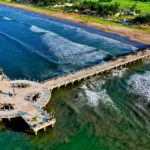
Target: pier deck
x=37, y=119
x=101, y=68
x=26, y=99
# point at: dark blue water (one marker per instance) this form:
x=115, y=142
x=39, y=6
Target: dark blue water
x=39, y=47
x=109, y=112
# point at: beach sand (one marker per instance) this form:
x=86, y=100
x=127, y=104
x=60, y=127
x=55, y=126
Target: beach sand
x=134, y=34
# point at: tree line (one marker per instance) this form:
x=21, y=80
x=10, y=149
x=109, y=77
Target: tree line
x=92, y=8
x=96, y=8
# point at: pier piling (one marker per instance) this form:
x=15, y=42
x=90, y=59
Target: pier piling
x=121, y=61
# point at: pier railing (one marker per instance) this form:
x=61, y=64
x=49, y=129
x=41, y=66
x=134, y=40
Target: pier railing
x=122, y=60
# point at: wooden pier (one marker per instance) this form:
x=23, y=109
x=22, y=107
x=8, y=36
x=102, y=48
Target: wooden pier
x=26, y=99
x=99, y=69
x=38, y=119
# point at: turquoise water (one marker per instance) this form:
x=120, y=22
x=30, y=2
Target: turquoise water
x=109, y=112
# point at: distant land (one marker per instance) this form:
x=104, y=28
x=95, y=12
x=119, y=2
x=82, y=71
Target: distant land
x=111, y=23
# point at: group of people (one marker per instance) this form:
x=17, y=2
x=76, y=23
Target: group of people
x=20, y=85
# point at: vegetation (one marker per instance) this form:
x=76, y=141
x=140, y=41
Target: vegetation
x=143, y=5
x=34, y=119
x=126, y=4
x=93, y=12
x=95, y=8
x=143, y=19
x=143, y=0
x=112, y=10
x=107, y=7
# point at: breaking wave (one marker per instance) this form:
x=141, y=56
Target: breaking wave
x=7, y=18
x=95, y=94
x=83, y=34
x=140, y=85
x=119, y=73
x=38, y=30
x=68, y=51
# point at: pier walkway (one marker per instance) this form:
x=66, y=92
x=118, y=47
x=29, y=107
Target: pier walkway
x=26, y=99
x=37, y=118
x=95, y=70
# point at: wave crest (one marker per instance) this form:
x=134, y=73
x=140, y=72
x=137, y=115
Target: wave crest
x=95, y=94
x=68, y=51
x=7, y=18
x=140, y=85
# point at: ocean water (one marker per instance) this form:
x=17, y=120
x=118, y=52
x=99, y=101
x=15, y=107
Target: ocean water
x=109, y=112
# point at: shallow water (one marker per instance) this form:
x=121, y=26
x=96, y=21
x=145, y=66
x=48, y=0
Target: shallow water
x=109, y=112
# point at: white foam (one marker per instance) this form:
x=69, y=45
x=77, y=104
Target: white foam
x=140, y=85
x=92, y=97
x=118, y=72
x=68, y=51
x=91, y=36
x=83, y=34
x=102, y=39
x=96, y=95
x=7, y=18
x=38, y=30
x=71, y=52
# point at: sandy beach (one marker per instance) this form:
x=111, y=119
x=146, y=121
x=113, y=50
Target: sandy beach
x=134, y=34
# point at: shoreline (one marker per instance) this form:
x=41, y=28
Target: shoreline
x=133, y=34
